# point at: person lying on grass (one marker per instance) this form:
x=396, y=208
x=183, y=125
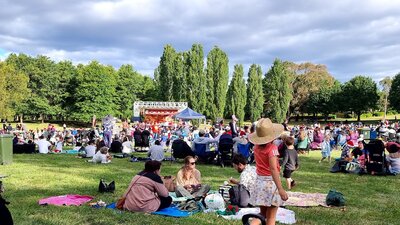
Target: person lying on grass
x=146, y=192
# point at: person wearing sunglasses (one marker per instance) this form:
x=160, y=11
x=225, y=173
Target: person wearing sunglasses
x=188, y=181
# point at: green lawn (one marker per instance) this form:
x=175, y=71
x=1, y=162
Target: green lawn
x=370, y=200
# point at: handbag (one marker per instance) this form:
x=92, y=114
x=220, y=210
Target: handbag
x=169, y=183
x=104, y=187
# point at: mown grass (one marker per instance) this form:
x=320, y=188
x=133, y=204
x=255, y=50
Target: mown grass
x=370, y=199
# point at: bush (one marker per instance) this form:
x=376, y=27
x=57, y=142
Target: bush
x=378, y=114
x=366, y=115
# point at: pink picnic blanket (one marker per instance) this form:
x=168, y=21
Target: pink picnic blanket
x=66, y=200
x=306, y=199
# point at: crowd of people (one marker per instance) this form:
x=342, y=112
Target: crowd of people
x=273, y=147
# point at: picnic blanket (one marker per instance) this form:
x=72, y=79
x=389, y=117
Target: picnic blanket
x=305, y=199
x=66, y=200
x=172, y=211
x=177, y=199
x=284, y=216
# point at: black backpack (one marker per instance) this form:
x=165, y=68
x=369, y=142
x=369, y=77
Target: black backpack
x=239, y=196
x=104, y=187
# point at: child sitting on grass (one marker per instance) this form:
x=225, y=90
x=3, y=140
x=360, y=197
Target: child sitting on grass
x=290, y=162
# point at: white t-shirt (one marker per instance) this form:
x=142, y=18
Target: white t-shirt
x=100, y=158
x=59, y=145
x=43, y=146
x=90, y=150
x=156, y=152
x=127, y=147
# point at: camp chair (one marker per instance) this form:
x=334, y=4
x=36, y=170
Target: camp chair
x=244, y=149
x=202, y=154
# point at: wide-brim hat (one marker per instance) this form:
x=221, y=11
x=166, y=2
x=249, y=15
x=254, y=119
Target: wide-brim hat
x=266, y=131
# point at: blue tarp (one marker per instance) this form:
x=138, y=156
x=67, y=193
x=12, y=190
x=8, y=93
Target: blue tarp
x=189, y=114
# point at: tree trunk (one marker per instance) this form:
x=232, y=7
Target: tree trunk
x=21, y=118
x=358, y=116
x=42, y=117
x=384, y=115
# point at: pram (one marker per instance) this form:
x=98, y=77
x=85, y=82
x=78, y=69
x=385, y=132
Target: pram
x=375, y=162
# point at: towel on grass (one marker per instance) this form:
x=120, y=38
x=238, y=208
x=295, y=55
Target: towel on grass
x=301, y=199
x=284, y=216
x=66, y=200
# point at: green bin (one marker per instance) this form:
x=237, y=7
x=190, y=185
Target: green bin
x=6, y=149
x=366, y=133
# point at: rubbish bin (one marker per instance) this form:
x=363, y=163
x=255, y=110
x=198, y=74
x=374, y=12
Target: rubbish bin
x=366, y=133
x=6, y=149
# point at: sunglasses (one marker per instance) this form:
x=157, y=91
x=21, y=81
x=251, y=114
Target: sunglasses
x=192, y=163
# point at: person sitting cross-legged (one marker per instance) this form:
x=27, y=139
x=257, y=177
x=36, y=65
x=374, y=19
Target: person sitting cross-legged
x=146, y=192
x=188, y=181
x=247, y=172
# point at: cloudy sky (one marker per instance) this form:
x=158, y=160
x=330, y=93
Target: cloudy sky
x=349, y=37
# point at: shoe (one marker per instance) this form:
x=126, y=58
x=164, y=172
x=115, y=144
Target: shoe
x=293, y=183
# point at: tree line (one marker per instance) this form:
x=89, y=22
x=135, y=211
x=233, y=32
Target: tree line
x=40, y=88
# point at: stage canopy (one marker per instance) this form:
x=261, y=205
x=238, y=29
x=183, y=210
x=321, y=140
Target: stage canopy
x=189, y=114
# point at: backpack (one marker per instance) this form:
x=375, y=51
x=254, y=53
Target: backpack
x=239, y=195
x=335, y=198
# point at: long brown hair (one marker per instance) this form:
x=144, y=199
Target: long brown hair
x=185, y=168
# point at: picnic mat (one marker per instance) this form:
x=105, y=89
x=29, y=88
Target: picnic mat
x=172, y=211
x=301, y=199
x=177, y=199
x=66, y=200
x=284, y=216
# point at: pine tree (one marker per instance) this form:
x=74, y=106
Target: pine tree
x=179, y=86
x=278, y=90
x=255, y=95
x=217, y=82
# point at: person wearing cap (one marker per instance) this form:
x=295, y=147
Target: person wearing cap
x=268, y=192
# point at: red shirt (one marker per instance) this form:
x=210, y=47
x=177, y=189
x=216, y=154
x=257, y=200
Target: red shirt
x=262, y=156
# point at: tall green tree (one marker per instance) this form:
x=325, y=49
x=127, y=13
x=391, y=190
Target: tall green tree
x=179, y=90
x=394, y=93
x=95, y=89
x=165, y=74
x=13, y=90
x=217, y=82
x=308, y=78
x=278, y=91
x=324, y=100
x=128, y=83
x=359, y=95
x=255, y=95
x=196, y=78
x=386, y=83
x=236, y=95
x=66, y=71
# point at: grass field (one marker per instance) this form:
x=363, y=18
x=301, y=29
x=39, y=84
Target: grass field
x=370, y=199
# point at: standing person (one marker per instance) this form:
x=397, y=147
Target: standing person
x=268, y=191
x=232, y=125
x=146, y=192
x=188, y=180
x=326, y=148
x=290, y=162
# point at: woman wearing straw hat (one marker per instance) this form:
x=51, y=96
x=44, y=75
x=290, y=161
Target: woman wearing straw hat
x=268, y=190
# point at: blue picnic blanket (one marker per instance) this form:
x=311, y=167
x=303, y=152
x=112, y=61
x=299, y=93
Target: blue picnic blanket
x=172, y=211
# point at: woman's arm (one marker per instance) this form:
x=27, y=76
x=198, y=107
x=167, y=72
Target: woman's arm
x=275, y=176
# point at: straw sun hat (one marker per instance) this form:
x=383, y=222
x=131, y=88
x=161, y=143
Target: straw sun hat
x=266, y=131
